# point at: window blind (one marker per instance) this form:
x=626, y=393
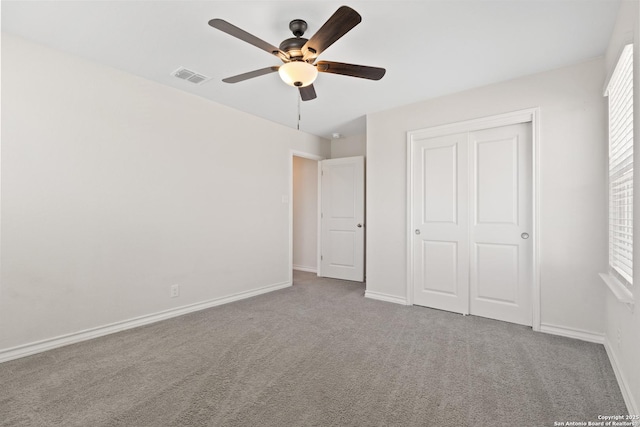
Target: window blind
x=620, y=94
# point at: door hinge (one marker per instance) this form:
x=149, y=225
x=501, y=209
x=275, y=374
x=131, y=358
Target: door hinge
x=321, y=258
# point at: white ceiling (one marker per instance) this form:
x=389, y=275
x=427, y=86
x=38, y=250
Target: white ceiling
x=429, y=48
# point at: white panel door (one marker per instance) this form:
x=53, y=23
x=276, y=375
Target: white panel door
x=471, y=223
x=440, y=233
x=342, y=218
x=501, y=212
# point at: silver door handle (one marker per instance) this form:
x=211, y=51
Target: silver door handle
x=525, y=236
x=417, y=231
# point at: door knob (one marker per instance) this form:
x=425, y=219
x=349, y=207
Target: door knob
x=525, y=236
x=359, y=225
x=417, y=231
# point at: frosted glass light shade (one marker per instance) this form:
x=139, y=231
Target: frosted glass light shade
x=298, y=73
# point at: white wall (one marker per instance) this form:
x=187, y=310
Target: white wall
x=350, y=146
x=573, y=208
x=114, y=188
x=621, y=320
x=305, y=214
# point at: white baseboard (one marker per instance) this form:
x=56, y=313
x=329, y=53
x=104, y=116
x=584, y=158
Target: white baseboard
x=303, y=268
x=578, y=334
x=632, y=405
x=87, y=334
x=385, y=297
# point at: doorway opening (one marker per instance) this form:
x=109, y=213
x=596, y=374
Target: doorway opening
x=304, y=206
x=304, y=212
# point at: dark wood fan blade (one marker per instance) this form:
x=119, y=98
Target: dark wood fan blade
x=340, y=23
x=362, y=71
x=250, y=75
x=307, y=93
x=241, y=34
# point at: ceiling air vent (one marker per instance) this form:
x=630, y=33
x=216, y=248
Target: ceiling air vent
x=190, y=76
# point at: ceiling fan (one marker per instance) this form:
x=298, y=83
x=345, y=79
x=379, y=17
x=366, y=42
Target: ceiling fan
x=299, y=55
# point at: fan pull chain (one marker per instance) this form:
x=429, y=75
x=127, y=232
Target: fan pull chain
x=298, y=112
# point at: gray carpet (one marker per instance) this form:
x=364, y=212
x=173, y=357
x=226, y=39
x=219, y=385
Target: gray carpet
x=318, y=354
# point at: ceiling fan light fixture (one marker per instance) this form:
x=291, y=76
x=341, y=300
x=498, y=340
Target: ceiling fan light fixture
x=298, y=73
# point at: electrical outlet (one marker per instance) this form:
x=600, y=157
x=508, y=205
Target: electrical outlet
x=175, y=291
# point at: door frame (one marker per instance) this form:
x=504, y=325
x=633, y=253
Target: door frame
x=531, y=115
x=305, y=155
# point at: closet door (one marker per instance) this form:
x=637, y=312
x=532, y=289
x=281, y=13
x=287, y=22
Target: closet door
x=472, y=221
x=501, y=220
x=440, y=233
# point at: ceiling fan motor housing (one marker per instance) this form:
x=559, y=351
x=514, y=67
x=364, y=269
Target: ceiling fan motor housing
x=293, y=47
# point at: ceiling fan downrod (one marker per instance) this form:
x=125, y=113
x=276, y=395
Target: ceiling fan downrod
x=293, y=46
